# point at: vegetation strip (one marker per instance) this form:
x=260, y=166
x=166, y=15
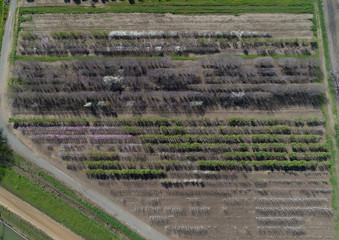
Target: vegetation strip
x=53, y=206
x=334, y=147
x=24, y=227
x=3, y=13
x=184, y=7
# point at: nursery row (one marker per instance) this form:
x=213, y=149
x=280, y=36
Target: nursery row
x=207, y=164
x=125, y=173
x=160, y=169
x=264, y=165
x=71, y=35
x=174, y=139
x=163, y=131
x=48, y=46
x=111, y=104
x=166, y=123
x=259, y=153
x=161, y=69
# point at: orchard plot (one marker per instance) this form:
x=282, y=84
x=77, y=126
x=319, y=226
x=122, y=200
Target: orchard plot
x=120, y=86
x=204, y=126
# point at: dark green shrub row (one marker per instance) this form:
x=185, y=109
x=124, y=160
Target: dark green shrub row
x=256, y=155
x=262, y=165
x=281, y=124
x=189, y=147
x=124, y=173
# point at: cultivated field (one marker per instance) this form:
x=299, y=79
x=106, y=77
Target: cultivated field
x=139, y=34
x=204, y=126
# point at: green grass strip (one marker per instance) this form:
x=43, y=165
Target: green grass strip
x=184, y=7
x=19, y=161
x=24, y=227
x=2, y=21
x=327, y=55
x=95, y=210
x=52, y=205
x=333, y=153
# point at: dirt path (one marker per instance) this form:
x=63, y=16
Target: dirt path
x=333, y=49
x=35, y=217
x=331, y=17
x=331, y=118
x=330, y=9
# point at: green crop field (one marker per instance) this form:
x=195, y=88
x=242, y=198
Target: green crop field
x=185, y=7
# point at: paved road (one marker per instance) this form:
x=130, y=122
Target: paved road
x=35, y=217
x=106, y=204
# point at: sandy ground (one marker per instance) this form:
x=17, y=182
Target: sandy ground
x=35, y=217
x=279, y=25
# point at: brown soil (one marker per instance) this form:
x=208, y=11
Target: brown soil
x=279, y=25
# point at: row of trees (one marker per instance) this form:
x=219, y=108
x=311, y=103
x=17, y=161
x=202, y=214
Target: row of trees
x=214, y=131
x=108, y=102
x=223, y=70
x=301, y=165
x=231, y=126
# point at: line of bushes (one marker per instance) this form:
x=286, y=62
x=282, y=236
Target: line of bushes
x=274, y=123
x=301, y=165
x=125, y=173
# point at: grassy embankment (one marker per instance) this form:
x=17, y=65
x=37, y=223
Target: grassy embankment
x=186, y=7
x=25, y=227
x=3, y=16
x=334, y=147
x=27, y=182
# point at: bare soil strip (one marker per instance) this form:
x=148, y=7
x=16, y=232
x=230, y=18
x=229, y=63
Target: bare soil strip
x=35, y=217
x=279, y=25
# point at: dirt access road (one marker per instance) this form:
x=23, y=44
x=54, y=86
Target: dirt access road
x=35, y=217
x=332, y=26
x=105, y=203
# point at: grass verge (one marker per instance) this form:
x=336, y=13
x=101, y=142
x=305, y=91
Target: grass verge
x=333, y=146
x=3, y=15
x=185, y=7
x=54, y=206
x=49, y=201
x=327, y=54
x=21, y=225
